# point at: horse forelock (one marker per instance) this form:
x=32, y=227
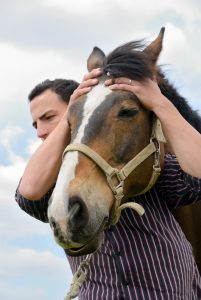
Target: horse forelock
x=130, y=61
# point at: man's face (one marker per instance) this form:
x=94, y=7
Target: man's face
x=47, y=109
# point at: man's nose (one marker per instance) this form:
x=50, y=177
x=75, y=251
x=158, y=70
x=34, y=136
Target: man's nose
x=42, y=132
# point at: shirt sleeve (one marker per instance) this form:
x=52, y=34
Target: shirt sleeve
x=35, y=208
x=177, y=187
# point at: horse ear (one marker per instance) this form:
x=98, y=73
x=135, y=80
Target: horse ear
x=95, y=59
x=154, y=49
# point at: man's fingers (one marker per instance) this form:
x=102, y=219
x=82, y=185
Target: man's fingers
x=93, y=74
x=88, y=83
x=89, y=80
x=120, y=86
x=79, y=92
x=121, y=80
x=109, y=81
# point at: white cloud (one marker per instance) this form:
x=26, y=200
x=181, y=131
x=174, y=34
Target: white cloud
x=188, y=10
x=182, y=8
x=22, y=69
x=178, y=51
x=86, y=7
x=21, y=292
x=26, y=264
x=14, y=222
x=21, y=261
x=175, y=46
x=8, y=136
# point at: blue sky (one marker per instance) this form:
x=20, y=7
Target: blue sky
x=42, y=39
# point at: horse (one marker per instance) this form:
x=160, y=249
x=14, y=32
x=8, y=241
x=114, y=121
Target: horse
x=104, y=165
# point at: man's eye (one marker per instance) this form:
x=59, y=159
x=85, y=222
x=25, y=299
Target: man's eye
x=127, y=113
x=49, y=117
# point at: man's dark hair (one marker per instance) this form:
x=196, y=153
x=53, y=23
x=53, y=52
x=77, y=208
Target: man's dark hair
x=62, y=87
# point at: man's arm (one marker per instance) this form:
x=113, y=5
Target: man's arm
x=183, y=139
x=42, y=170
x=37, y=209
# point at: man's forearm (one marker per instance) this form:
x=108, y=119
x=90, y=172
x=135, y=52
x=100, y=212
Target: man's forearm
x=42, y=169
x=184, y=140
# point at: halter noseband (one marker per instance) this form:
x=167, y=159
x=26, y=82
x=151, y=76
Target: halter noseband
x=121, y=174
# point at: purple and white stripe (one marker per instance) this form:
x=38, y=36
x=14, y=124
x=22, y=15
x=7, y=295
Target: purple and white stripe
x=142, y=257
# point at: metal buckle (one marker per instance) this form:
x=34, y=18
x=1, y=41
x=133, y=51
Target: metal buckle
x=118, y=188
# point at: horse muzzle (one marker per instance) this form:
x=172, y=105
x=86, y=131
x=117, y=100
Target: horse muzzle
x=83, y=235
x=90, y=247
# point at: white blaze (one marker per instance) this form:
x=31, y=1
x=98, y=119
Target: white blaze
x=58, y=207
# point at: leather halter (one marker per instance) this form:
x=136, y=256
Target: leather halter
x=157, y=137
x=121, y=174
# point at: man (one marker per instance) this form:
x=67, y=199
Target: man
x=48, y=106
x=171, y=272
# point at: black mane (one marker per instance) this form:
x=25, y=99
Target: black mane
x=129, y=60
x=191, y=115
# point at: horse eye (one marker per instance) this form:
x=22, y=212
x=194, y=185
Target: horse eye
x=127, y=113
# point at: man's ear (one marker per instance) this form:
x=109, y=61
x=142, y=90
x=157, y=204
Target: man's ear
x=153, y=50
x=95, y=59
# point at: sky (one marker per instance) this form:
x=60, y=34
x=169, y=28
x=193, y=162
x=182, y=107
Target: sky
x=42, y=39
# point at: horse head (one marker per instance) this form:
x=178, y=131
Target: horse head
x=108, y=129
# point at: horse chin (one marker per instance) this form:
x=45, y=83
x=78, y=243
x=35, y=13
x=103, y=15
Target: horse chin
x=92, y=246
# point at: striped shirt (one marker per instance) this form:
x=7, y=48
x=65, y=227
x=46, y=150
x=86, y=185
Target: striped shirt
x=143, y=258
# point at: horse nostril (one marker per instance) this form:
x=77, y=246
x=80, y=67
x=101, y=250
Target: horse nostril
x=77, y=213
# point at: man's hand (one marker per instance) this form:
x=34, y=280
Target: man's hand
x=147, y=91
x=88, y=81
